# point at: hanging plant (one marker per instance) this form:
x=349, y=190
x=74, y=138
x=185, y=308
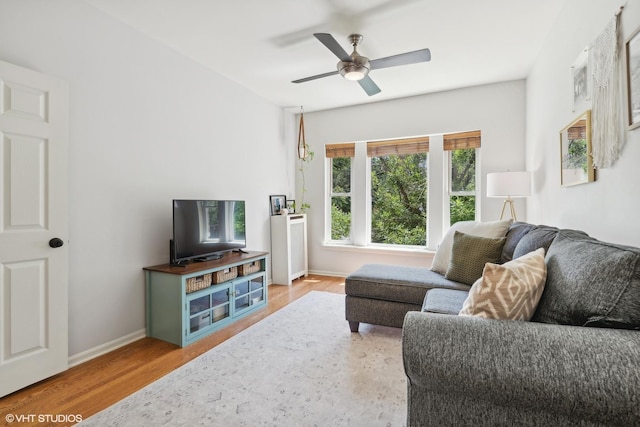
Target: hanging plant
x=305, y=155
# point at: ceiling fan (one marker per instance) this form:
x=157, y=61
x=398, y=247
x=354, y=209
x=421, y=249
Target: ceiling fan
x=356, y=67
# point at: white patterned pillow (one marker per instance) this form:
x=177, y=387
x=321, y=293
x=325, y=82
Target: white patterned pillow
x=510, y=291
x=492, y=230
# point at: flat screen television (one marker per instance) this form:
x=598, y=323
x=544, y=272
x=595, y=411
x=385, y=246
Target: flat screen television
x=206, y=229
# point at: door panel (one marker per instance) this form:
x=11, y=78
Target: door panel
x=25, y=285
x=25, y=158
x=23, y=101
x=33, y=194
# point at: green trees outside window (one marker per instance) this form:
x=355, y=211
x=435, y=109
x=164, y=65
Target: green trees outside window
x=341, y=198
x=399, y=199
x=462, y=200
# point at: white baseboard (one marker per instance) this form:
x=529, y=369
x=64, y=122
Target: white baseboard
x=327, y=273
x=105, y=348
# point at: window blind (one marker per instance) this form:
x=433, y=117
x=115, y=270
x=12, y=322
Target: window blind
x=398, y=146
x=461, y=140
x=347, y=149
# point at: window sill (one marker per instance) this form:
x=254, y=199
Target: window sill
x=381, y=250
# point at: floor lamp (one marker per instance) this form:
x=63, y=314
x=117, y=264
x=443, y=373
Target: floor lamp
x=509, y=184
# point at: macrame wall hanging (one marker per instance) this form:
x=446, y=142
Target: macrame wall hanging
x=303, y=148
x=305, y=155
x=607, y=137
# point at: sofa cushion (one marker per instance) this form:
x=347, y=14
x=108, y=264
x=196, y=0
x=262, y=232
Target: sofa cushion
x=591, y=283
x=493, y=230
x=510, y=291
x=396, y=283
x=444, y=301
x=539, y=236
x=516, y=231
x=469, y=254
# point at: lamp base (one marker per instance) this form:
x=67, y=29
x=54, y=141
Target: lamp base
x=512, y=209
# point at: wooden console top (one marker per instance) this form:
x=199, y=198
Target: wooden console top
x=194, y=267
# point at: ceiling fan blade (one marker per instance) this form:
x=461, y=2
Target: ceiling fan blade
x=331, y=44
x=422, y=55
x=369, y=86
x=319, y=76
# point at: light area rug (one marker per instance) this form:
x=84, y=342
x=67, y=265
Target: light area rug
x=300, y=366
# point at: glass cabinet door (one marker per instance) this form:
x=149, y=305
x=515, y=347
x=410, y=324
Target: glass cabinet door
x=220, y=304
x=249, y=292
x=241, y=295
x=209, y=309
x=257, y=290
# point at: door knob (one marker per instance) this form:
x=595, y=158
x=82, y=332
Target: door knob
x=56, y=242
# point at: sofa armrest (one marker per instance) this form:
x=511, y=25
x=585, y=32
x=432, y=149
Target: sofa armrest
x=576, y=372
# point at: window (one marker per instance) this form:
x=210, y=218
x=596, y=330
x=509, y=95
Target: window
x=461, y=149
x=399, y=191
x=380, y=193
x=340, y=183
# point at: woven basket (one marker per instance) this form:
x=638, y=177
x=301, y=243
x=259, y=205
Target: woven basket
x=224, y=275
x=198, y=282
x=248, y=268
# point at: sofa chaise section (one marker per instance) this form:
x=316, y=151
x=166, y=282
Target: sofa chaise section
x=382, y=294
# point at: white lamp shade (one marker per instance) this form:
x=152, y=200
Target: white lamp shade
x=509, y=184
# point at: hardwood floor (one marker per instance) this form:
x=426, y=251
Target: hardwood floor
x=99, y=383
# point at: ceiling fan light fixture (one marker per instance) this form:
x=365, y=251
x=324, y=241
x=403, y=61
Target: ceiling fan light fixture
x=354, y=70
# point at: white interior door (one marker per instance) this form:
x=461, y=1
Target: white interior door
x=33, y=211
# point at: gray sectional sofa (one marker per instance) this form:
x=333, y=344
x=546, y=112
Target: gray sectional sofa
x=577, y=363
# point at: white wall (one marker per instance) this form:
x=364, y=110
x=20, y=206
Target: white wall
x=607, y=208
x=498, y=110
x=146, y=126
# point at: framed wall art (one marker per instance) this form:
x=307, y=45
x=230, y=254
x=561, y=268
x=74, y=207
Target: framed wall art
x=575, y=152
x=632, y=50
x=581, y=93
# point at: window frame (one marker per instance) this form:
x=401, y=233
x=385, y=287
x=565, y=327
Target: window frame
x=438, y=174
x=331, y=195
x=448, y=193
x=341, y=150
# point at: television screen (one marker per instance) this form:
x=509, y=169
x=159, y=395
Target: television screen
x=204, y=229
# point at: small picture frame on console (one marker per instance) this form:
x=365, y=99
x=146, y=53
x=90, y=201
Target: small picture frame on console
x=277, y=203
x=291, y=206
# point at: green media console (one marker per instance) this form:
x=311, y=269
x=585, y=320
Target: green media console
x=186, y=303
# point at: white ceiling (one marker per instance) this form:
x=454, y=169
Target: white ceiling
x=265, y=44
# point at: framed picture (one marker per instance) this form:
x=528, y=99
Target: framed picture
x=276, y=203
x=291, y=206
x=632, y=48
x=575, y=152
x=581, y=82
